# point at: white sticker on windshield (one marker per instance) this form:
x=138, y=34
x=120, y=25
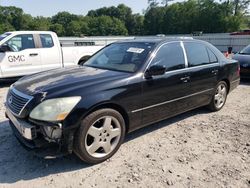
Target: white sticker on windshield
x=135, y=50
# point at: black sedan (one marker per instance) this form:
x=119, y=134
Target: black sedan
x=244, y=58
x=127, y=85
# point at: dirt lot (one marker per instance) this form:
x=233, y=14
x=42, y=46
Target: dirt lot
x=195, y=149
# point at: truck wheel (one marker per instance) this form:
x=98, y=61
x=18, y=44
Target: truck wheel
x=220, y=97
x=100, y=135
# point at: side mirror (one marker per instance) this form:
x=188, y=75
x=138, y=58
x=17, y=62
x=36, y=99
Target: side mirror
x=155, y=70
x=5, y=48
x=84, y=59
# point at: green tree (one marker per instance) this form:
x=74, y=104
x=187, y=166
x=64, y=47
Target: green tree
x=75, y=28
x=57, y=28
x=105, y=25
x=194, y=15
x=64, y=19
x=6, y=27
x=11, y=16
x=133, y=22
x=155, y=3
x=160, y=18
x=40, y=23
x=136, y=25
x=153, y=21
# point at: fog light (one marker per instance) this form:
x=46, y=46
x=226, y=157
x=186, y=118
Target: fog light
x=53, y=132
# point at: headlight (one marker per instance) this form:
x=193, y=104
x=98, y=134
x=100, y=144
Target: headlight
x=54, y=109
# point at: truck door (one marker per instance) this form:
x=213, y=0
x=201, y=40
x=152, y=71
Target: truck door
x=22, y=59
x=50, y=52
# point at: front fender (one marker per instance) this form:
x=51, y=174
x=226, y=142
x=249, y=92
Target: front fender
x=87, y=104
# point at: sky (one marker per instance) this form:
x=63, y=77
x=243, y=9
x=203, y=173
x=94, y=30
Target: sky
x=51, y=7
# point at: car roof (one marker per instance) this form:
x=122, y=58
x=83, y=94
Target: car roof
x=30, y=32
x=158, y=40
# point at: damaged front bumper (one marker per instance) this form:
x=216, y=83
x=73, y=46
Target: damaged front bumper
x=42, y=140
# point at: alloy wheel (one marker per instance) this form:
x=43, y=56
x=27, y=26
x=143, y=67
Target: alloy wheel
x=220, y=96
x=103, y=136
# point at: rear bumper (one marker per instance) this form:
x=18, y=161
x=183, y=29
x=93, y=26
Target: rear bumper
x=234, y=84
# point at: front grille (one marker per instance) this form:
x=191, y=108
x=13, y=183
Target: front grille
x=16, y=101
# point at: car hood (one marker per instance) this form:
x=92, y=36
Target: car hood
x=58, y=80
x=243, y=59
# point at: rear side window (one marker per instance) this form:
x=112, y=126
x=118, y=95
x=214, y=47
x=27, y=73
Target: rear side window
x=212, y=57
x=196, y=54
x=171, y=56
x=47, y=41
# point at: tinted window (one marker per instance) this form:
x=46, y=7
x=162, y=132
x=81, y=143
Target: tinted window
x=47, y=41
x=212, y=57
x=171, y=56
x=21, y=42
x=196, y=54
x=127, y=57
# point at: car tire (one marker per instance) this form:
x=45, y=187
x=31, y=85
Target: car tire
x=219, y=97
x=100, y=135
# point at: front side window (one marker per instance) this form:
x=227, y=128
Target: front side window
x=196, y=54
x=171, y=56
x=47, y=41
x=125, y=57
x=21, y=42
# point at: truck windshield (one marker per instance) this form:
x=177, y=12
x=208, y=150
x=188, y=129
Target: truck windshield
x=4, y=36
x=125, y=57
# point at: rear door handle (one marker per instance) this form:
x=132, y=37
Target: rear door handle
x=185, y=79
x=34, y=54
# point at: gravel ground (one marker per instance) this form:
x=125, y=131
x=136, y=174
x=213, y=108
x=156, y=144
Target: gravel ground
x=195, y=149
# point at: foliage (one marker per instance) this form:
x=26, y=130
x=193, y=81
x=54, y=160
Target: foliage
x=106, y=25
x=133, y=22
x=161, y=17
x=193, y=15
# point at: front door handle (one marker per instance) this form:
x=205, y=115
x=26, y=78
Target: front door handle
x=215, y=71
x=185, y=79
x=34, y=54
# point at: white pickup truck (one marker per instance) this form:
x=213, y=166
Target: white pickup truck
x=27, y=52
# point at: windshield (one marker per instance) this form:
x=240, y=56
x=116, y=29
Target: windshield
x=125, y=57
x=3, y=36
x=246, y=50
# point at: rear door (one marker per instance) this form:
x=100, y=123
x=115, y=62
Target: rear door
x=23, y=59
x=203, y=67
x=165, y=95
x=51, y=57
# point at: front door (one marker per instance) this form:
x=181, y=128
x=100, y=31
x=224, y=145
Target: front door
x=165, y=95
x=23, y=59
